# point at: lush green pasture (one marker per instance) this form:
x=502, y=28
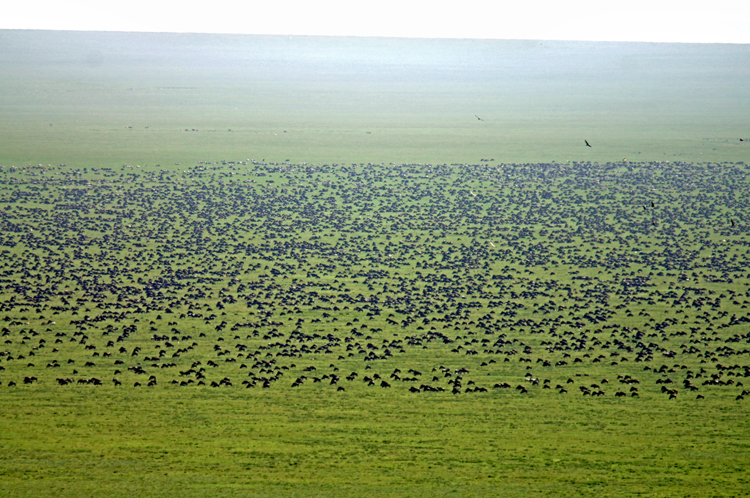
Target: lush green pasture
x=203, y=442
x=563, y=279
x=107, y=99
x=253, y=266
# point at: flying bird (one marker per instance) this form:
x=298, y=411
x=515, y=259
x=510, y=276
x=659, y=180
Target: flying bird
x=587, y=143
x=652, y=204
x=480, y=119
x=732, y=222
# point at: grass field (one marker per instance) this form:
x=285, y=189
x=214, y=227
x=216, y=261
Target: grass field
x=72, y=98
x=362, y=288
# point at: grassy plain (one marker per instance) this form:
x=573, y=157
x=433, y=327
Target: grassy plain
x=352, y=100
x=333, y=249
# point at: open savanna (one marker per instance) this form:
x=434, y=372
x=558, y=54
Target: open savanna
x=362, y=288
x=505, y=306
x=103, y=99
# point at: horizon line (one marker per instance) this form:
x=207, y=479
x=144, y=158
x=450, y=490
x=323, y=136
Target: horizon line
x=405, y=37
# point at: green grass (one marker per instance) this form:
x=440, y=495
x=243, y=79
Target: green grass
x=324, y=245
x=422, y=256
x=201, y=443
x=353, y=100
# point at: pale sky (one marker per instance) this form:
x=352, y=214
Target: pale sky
x=718, y=21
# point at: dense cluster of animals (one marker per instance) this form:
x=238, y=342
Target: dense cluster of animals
x=504, y=279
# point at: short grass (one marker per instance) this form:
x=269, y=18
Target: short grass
x=369, y=269
x=279, y=443
x=358, y=218
x=98, y=99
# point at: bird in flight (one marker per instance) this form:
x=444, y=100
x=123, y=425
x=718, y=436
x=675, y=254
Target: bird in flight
x=732, y=222
x=480, y=119
x=652, y=204
x=587, y=143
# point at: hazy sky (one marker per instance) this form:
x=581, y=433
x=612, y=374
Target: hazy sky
x=718, y=21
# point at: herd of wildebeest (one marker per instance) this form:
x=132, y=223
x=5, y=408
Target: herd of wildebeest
x=617, y=280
